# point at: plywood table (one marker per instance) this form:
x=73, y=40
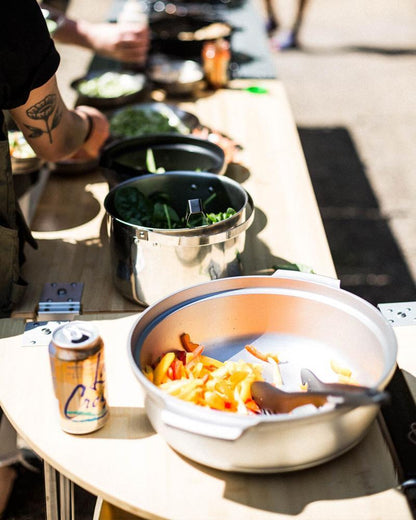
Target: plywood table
x=70, y=224
x=130, y=466
x=126, y=463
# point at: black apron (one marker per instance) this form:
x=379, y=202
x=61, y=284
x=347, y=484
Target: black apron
x=13, y=234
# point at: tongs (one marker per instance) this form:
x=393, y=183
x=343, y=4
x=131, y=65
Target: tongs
x=273, y=400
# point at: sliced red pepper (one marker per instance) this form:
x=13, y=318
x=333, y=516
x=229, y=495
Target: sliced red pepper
x=252, y=406
x=187, y=344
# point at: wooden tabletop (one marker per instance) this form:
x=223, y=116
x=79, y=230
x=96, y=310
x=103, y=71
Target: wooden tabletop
x=70, y=223
x=130, y=466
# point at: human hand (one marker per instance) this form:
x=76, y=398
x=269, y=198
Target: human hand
x=99, y=132
x=126, y=42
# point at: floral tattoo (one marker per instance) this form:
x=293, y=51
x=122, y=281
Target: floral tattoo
x=43, y=111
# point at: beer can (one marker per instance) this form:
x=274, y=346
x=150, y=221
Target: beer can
x=76, y=354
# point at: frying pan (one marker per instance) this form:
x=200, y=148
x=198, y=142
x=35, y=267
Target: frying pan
x=126, y=158
x=308, y=321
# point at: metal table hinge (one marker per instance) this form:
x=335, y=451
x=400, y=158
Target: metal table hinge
x=60, y=301
x=398, y=314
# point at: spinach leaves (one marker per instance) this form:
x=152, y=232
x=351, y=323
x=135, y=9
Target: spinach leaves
x=155, y=211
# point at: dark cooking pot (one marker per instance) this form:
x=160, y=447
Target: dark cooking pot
x=126, y=158
x=308, y=321
x=167, y=31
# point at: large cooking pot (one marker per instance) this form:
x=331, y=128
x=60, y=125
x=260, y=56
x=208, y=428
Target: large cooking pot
x=150, y=263
x=308, y=321
x=177, y=35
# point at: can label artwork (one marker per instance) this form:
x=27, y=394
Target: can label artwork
x=76, y=355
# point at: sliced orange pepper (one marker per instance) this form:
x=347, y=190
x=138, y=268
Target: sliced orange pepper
x=191, y=356
x=256, y=353
x=148, y=371
x=177, y=369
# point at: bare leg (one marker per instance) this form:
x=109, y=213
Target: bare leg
x=272, y=22
x=289, y=39
x=299, y=19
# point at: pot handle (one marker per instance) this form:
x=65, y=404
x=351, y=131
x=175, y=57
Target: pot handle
x=307, y=277
x=201, y=427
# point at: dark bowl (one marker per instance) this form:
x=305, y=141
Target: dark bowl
x=177, y=77
x=127, y=158
x=138, y=81
x=138, y=120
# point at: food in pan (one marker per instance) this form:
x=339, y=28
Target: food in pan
x=212, y=31
x=194, y=377
x=155, y=210
x=110, y=85
x=133, y=121
x=167, y=71
x=52, y=25
x=53, y=21
x=19, y=147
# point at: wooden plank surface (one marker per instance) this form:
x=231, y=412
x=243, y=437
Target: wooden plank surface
x=70, y=223
x=131, y=467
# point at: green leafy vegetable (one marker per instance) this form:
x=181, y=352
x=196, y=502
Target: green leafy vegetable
x=155, y=211
x=110, y=85
x=151, y=163
x=133, y=121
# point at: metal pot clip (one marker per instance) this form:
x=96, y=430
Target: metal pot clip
x=193, y=209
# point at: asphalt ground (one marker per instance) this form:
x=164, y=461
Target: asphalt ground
x=351, y=88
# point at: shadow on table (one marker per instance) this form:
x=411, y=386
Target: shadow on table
x=367, y=258
x=263, y=262
x=295, y=490
x=125, y=423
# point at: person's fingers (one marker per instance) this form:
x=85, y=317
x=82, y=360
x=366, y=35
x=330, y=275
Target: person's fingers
x=131, y=54
x=132, y=44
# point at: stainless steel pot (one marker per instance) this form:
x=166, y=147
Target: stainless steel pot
x=148, y=263
x=308, y=321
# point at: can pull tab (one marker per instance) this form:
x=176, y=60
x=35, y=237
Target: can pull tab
x=74, y=334
x=194, y=209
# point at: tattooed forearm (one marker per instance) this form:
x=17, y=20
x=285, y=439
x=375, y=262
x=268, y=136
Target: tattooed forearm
x=43, y=111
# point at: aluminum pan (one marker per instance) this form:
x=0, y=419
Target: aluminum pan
x=313, y=320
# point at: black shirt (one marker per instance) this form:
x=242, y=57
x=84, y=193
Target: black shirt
x=28, y=57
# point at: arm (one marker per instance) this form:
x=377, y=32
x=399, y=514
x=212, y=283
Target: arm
x=127, y=42
x=55, y=132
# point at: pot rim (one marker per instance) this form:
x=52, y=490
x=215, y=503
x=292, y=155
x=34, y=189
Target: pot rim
x=202, y=235
x=141, y=143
